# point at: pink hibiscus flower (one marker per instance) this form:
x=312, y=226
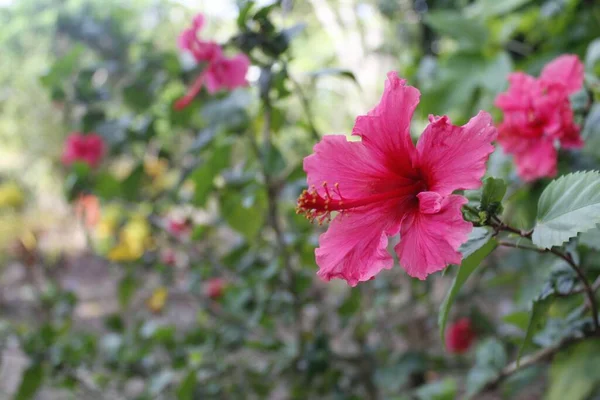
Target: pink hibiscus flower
x=214, y=288
x=88, y=149
x=221, y=73
x=460, y=336
x=384, y=185
x=202, y=50
x=538, y=114
x=179, y=228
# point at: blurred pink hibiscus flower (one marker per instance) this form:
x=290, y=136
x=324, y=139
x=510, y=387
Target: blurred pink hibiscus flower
x=220, y=72
x=460, y=336
x=538, y=114
x=88, y=149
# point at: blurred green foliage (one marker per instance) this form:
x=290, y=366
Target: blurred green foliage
x=230, y=165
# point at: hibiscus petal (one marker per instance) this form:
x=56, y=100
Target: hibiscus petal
x=537, y=161
x=192, y=92
x=429, y=242
x=567, y=70
x=354, y=247
x=239, y=65
x=451, y=157
x=198, y=22
x=571, y=138
x=350, y=164
x=430, y=202
x=227, y=73
x=390, y=135
x=518, y=95
x=511, y=138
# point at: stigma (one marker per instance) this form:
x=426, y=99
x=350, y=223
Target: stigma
x=318, y=206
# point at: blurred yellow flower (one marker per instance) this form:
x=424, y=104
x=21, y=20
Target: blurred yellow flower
x=157, y=301
x=11, y=195
x=165, y=181
x=155, y=167
x=123, y=252
x=158, y=170
x=29, y=240
x=134, y=238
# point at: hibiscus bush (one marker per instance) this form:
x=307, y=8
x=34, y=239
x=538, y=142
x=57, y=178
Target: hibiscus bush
x=297, y=200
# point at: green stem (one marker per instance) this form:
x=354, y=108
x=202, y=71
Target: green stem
x=589, y=291
x=273, y=191
x=307, y=110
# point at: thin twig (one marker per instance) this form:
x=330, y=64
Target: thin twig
x=273, y=190
x=306, y=107
x=500, y=226
x=586, y=285
x=530, y=360
x=587, y=288
x=518, y=246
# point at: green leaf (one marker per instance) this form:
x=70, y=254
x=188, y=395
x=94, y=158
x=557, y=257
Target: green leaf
x=397, y=374
x=478, y=377
x=463, y=76
x=574, y=373
x=591, y=131
x=491, y=353
x=520, y=319
x=470, y=33
x=591, y=239
x=114, y=323
x=229, y=112
x=244, y=14
x=580, y=100
x=274, y=159
x=32, y=380
x=440, y=390
x=521, y=380
x=493, y=192
x=491, y=8
x=490, y=358
x=131, y=185
x=81, y=169
x=475, y=251
x=351, y=305
x=159, y=382
x=477, y=238
x=185, y=391
x=343, y=73
x=204, y=176
x=107, y=186
x=537, y=320
x=245, y=214
x=137, y=96
x=568, y=206
x=496, y=70
x=126, y=289
x=592, y=56
x=64, y=67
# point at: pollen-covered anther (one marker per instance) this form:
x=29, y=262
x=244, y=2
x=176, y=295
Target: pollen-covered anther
x=318, y=206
